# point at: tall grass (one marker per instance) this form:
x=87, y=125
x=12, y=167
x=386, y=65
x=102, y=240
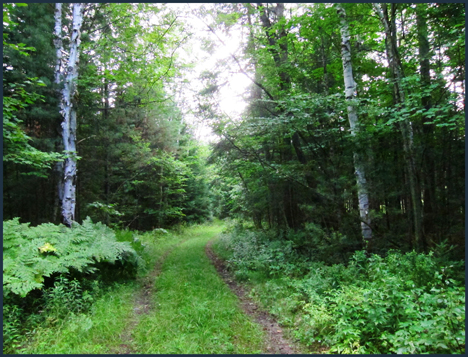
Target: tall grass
x=97, y=331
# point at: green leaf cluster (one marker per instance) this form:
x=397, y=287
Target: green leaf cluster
x=32, y=253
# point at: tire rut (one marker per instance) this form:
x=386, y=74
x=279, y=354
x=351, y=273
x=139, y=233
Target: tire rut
x=143, y=303
x=276, y=342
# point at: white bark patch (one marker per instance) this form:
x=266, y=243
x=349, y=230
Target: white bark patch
x=69, y=117
x=58, y=41
x=350, y=94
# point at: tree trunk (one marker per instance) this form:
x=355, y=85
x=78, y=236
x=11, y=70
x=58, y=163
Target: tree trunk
x=428, y=128
x=405, y=126
x=350, y=94
x=68, y=113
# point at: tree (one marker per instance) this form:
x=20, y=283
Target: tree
x=16, y=146
x=405, y=126
x=350, y=95
x=68, y=73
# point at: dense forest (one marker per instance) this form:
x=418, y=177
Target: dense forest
x=339, y=178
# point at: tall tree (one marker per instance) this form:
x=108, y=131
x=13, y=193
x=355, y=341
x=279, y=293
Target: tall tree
x=393, y=57
x=350, y=95
x=69, y=73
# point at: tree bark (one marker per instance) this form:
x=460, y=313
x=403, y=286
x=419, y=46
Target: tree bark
x=428, y=128
x=350, y=94
x=68, y=113
x=279, y=56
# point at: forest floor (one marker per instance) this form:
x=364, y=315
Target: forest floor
x=186, y=304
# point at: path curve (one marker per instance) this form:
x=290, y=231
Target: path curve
x=276, y=343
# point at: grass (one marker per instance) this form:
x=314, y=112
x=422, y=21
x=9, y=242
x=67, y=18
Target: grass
x=99, y=330
x=195, y=311
x=96, y=332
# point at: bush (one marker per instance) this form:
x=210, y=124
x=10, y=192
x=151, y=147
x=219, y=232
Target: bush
x=398, y=303
x=68, y=296
x=32, y=253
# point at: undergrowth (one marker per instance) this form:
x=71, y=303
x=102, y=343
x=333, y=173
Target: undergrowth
x=87, y=312
x=395, y=303
x=51, y=272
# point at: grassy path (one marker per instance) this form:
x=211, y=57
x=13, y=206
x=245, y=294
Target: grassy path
x=191, y=310
x=195, y=311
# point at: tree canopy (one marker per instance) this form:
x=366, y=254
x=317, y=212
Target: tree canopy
x=290, y=161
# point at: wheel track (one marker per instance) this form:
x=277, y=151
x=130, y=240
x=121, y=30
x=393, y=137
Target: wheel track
x=143, y=303
x=276, y=342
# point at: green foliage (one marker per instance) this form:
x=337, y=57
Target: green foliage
x=32, y=253
x=94, y=330
x=398, y=303
x=68, y=296
x=12, y=314
x=20, y=95
x=16, y=144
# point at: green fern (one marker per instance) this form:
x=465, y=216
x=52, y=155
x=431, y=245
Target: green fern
x=32, y=253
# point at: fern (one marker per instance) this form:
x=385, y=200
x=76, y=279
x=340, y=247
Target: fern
x=32, y=253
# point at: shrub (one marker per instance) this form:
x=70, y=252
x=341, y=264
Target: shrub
x=397, y=303
x=32, y=253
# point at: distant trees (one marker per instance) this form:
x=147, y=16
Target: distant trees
x=289, y=163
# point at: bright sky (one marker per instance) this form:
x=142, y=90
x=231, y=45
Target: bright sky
x=231, y=101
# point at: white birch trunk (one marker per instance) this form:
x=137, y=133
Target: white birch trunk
x=69, y=119
x=350, y=94
x=58, y=42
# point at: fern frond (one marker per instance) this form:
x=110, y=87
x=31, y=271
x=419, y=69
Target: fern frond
x=32, y=253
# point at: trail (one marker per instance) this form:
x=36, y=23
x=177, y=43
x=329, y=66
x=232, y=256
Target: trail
x=182, y=306
x=189, y=304
x=143, y=304
x=193, y=311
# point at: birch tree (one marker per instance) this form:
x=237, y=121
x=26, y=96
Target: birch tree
x=350, y=94
x=58, y=44
x=68, y=74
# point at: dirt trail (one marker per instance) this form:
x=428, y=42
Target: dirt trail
x=276, y=343
x=143, y=303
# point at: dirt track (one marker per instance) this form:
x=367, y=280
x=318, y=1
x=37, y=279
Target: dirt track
x=276, y=343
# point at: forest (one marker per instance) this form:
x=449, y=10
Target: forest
x=166, y=165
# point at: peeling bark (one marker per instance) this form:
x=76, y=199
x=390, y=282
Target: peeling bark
x=58, y=44
x=68, y=112
x=350, y=94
